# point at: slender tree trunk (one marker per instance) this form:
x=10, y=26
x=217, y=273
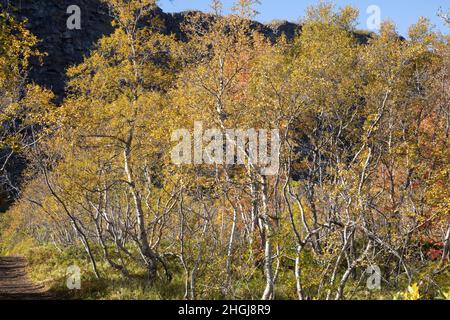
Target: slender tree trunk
x=446, y=251
x=298, y=275
x=230, y=253
x=75, y=225
x=348, y=272
x=149, y=256
x=268, y=250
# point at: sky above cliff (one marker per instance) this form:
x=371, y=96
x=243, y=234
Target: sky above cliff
x=402, y=12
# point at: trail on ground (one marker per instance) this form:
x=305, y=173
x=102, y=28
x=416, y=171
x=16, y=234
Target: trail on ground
x=14, y=283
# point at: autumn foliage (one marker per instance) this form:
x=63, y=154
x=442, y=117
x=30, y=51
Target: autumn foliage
x=364, y=161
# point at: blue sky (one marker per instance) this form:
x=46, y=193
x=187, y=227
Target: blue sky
x=402, y=12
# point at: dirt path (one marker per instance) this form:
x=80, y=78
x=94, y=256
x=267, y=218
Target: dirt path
x=14, y=283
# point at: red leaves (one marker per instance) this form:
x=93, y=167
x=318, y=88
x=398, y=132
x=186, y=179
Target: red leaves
x=434, y=250
x=434, y=254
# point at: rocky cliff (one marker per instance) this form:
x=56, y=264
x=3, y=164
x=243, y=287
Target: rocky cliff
x=47, y=19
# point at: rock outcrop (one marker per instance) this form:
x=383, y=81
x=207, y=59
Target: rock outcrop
x=47, y=19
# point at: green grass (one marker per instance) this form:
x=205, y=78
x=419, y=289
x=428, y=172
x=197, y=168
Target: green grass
x=48, y=266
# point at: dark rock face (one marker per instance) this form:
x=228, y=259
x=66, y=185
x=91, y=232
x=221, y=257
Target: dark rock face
x=286, y=28
x=47, y=19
